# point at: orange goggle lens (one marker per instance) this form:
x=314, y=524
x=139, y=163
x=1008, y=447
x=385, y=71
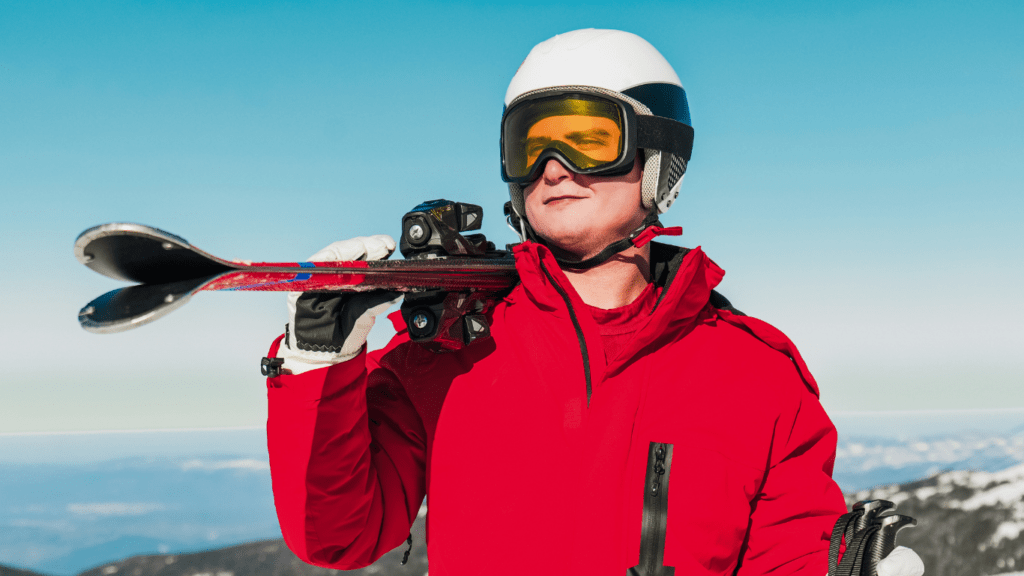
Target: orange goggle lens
x=588, y=132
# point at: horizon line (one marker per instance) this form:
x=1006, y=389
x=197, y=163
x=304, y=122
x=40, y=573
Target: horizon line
x=923, y=412
x=132, y=431
x=935, y=411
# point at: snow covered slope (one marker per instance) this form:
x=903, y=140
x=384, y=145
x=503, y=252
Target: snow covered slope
x=970, y=523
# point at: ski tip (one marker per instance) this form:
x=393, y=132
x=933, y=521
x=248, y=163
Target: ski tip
x=133, y=306
x=122, y=229
x=87, y=319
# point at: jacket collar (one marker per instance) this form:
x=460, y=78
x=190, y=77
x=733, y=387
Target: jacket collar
x=686, y=277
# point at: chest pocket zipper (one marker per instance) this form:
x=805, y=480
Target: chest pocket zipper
x=655, y=516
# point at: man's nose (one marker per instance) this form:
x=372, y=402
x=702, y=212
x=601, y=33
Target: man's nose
x=555, y=172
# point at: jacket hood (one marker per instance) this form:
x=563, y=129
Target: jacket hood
x=686, y=277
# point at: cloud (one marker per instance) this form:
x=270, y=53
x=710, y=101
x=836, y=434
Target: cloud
x=250, y=464
x=56, y=526
x=115, y=508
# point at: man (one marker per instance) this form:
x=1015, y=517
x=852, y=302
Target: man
x=622, y=418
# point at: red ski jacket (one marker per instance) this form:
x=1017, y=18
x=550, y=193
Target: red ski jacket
x=538, y=455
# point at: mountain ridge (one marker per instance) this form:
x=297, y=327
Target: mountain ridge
x=970, y=523
x=12, y=571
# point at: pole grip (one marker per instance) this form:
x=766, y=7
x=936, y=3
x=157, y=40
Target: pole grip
x=889, y=526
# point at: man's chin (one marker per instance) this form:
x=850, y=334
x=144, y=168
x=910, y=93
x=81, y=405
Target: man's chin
x=575, y=244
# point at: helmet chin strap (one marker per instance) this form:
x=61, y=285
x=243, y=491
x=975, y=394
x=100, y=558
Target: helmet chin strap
x=648, y=230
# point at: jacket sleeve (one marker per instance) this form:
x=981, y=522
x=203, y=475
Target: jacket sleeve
x=347, y=456
x=793, y=514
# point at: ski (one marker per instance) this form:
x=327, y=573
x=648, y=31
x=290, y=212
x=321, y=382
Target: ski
x=446, y=276
x=147, y=255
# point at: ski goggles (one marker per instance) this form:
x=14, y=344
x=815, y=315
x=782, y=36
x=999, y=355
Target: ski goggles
x=590, y=134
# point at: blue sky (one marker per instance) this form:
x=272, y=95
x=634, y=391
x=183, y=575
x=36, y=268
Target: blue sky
x=856, y=170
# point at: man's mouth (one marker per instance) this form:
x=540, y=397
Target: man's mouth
x=557, y=199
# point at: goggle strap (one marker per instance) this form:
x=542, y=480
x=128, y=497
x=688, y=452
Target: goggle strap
x=664, y=134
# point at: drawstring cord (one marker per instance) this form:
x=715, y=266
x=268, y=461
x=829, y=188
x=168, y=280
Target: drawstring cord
x=405, y=557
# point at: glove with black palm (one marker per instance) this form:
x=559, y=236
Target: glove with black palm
x=326, y=328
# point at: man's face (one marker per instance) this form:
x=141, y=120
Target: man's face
x=583, y=214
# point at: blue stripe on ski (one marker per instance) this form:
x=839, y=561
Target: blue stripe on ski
x=297, y=278
x=303, y=276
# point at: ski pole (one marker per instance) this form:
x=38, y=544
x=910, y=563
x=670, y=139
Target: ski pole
x=884, y=541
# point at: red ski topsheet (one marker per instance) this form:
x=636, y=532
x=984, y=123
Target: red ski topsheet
x=289, y=281
x=401, y=275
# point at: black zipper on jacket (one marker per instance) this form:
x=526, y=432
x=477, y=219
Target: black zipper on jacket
x=576, y=325
x=655, y=517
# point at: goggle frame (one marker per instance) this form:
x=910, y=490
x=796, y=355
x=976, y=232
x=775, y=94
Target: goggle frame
x=623, y=164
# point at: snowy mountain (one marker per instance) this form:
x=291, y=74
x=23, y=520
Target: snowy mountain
x=969, y=522
x=61, y=519
x=8, y=571
x=865, y=461
x=266, y=558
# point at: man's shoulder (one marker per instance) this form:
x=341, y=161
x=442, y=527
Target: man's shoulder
x=727, y=339
x=747, y=346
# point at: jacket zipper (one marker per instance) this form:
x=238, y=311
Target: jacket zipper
x=576, y=325
x=655, y=516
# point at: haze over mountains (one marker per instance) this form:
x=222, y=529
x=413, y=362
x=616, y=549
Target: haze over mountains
x=865, y=461
x=62, y=519
x=970, y=525
x=211, y=490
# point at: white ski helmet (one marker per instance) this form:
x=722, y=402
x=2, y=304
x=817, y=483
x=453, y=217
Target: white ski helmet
x=623, y=66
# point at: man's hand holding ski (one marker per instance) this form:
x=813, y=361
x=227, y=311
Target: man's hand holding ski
x=325, y=328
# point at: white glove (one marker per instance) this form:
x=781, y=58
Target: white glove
x=902, y=561
x=328, y=328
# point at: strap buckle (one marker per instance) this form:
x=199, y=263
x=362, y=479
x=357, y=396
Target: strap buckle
x=271, y=367
x=651, y=232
